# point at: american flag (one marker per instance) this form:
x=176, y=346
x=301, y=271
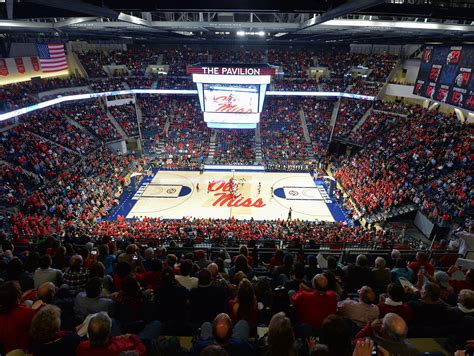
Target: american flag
x=52, y=57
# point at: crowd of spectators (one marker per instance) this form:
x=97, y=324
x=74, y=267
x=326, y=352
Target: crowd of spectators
x=234, y=147
x=15, y=183
x=350, y=112
x=91, y=115
x=136, y=60
x=375, y=123
x=169, y=82
x=244, y=56
x=395, y=107
x=81, y=193
x=318, y=118
x=282, y=133
x=185, y=140
x=126, y=117
x=362, y=87
x=51, y=124
x=24, y=149
x=410, y=153
x=295, y=84
x=295, y=64
x=106, y=296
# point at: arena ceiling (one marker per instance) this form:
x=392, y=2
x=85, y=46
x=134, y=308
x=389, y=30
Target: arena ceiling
x=296, y=21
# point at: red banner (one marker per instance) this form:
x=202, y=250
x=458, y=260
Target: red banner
x=20, y=65
x=3, y=67
x=35, y=63
x=231, y=70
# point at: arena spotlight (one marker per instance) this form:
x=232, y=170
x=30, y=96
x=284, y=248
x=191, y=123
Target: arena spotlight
x=240, y=33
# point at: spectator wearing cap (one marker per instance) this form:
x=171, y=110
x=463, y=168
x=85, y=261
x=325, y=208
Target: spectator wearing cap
x=393, y=302
x=446, y=291
x=207, y=300
x=314, y=305
x=363, y=311
x=184, y=278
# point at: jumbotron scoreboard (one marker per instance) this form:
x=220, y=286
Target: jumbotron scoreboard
x=231, y=96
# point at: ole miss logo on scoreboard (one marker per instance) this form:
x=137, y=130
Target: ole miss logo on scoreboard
x=231, y=70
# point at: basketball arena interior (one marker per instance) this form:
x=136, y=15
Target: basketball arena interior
x=275, y=178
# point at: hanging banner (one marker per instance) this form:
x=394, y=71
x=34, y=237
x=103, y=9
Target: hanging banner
x=3, y=67
x=20, y=65
x=35, y=63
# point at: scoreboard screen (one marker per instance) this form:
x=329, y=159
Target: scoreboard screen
x=446, y=75
x=231, y=98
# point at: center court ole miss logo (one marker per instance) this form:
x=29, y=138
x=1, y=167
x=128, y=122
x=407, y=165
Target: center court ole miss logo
x=225, y=198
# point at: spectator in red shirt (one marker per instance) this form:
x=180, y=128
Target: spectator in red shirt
x=313, y=306
x=102, y=343
x=15, y=318
x=421, y=261
x=393, y=303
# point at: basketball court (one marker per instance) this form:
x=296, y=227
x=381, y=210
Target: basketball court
x=221, y=195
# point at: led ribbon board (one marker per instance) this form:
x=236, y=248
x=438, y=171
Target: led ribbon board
x=62, y=99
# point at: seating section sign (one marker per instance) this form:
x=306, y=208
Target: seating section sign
x=446, y=75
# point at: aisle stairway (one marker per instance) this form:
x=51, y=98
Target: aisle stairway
x=212, y=148
x=116, y=125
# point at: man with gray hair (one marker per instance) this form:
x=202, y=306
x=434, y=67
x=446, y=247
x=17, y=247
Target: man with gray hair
x=357, y=275
x=101, y=342
x=395, y=255
x=381, y=276
x=363, y=311
x=390, y=333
